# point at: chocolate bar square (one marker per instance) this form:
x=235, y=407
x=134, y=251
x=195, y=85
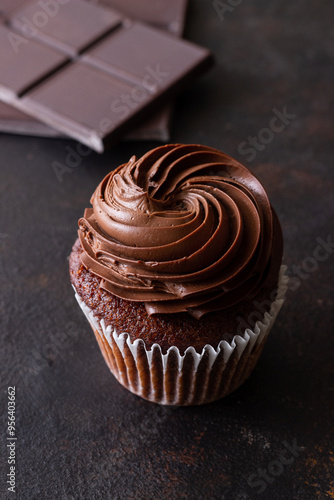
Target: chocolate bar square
x=70, y=26
x=78, y=99
x=21, y=69
x=129, y=53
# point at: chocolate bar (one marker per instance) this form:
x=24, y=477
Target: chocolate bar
x=168, y=15
x=88, y=71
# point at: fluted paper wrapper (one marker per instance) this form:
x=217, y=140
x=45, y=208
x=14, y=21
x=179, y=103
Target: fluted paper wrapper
x=191, y=378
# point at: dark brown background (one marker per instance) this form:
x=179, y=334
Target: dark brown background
x=80, y=434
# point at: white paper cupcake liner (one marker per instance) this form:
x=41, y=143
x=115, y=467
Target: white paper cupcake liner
x=191, y=378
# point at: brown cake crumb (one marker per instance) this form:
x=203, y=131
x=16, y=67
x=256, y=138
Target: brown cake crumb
x=178, y=329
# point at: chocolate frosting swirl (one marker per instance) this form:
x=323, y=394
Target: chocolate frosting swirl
x=184, y=228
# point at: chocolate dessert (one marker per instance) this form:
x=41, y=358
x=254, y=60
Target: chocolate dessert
x=181, y=249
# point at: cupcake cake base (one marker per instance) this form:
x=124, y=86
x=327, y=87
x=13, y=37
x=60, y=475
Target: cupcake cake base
x=183, y=378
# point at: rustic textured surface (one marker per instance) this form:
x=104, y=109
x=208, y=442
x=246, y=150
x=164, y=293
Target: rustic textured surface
x=80, y=434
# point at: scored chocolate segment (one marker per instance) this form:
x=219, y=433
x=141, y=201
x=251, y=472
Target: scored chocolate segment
x=78, y=99
x=129, y=54
x=21, y=69
x=70, y=27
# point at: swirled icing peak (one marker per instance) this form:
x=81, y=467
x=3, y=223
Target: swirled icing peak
x=184, y=229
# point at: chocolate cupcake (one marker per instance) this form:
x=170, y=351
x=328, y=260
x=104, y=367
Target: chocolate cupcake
x=178, y=270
